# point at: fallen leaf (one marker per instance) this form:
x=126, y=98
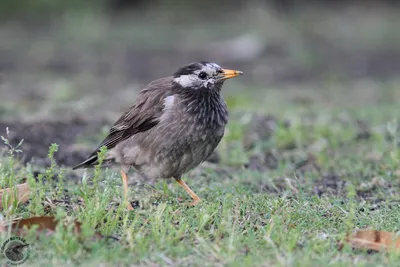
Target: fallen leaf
x=22, y=194
x=374, y=240
x=45, y=224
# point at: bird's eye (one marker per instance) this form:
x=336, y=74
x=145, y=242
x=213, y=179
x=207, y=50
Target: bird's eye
x=202, y=75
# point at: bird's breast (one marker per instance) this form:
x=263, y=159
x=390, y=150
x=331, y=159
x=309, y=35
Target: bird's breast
x=186, y=135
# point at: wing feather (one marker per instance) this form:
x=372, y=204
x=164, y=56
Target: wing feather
x=140, y=117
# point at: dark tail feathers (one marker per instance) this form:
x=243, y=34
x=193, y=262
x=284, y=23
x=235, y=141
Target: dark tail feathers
x=87, y=163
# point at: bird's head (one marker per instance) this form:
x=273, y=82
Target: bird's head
x=203, y=75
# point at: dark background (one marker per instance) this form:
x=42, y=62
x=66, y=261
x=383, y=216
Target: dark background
x=89, y=58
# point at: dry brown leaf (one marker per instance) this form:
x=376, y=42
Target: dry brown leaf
x=374, y=240
x=46, y=224
x=23, y=194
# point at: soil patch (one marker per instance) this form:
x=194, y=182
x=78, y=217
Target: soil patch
x=38, y=136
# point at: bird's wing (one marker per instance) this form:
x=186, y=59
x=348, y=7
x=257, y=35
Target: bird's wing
x=142, y=116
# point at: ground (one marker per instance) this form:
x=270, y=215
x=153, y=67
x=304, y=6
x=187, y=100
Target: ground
x=284, y=190
x=308, y=156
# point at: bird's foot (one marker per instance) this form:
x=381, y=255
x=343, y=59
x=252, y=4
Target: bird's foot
x=195, y=202
x=195, y=198
x=130, y=207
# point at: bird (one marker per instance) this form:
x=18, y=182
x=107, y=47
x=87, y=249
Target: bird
x=174, y=125
x=15, y=252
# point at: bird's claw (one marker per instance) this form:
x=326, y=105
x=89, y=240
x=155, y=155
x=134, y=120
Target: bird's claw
x=195, y=202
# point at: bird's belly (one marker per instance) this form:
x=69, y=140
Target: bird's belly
x=173, y=154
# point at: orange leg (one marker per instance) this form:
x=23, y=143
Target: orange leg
x=196, y=199
x=125, y=184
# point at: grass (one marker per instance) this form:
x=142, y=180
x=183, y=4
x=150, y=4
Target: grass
x=328, y=180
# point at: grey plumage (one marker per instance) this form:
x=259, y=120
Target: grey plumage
x=15, y=252
x=175, y=124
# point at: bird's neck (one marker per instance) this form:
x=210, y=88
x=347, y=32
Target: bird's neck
x=207, y=106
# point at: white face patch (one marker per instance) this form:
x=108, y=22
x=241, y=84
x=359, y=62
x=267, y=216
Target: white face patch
x=193, y=81
x=186, y=80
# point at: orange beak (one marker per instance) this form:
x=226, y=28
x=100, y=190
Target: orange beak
x=227, y=74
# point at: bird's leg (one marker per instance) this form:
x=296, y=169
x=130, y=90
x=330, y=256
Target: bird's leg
x=196, y=199
x=125, y=184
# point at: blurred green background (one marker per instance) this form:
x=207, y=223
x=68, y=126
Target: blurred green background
x=90, y=58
